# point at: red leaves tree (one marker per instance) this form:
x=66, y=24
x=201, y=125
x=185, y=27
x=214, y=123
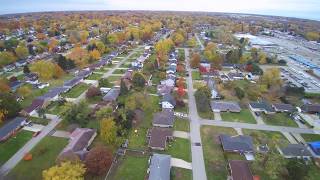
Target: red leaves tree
x=181, y=92
x=180, y=68
x=98, y=160
x=180, y=82
x=93, y=91
x=202, y=69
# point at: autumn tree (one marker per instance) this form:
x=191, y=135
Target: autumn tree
x=24, y=91
x=271, y=77
x=22, y=50
x=98, y=160
x=211, y=54
x=46, y=70
x=192, y=42
x=104, y=112
x=9, y=104
x=83, y=36
x=162, y=49
x=6, y=58
x=181, y=92
x=77, y=113
x=262, y=58
x=65, y=170
x=108, y=130
x=178, y=39
x=80, y=56
x=4, y=85
x=92, y=92
x=137, y=100
x=52, y=44
x=3, y=114
x=94, y=55
x=195, y=60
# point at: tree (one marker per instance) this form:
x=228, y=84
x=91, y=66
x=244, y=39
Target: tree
x=47, y=70
x=22, y=50
x=83, y=36
x=180, y=82
x=192, y=42
x=104, y=112
x=94, y=55
x=108, y=130
x=180, y=68
x=26, y=69
x=64, y=63
x=123, y=88
x=11, y=43
x=138, y=80
x=52, y=44
x=262, y=58
x=312, y=36
x=24, y=91
x=65, y=170
x=195, y=60
x=98, y=160
x=211, y=54
x=162, y=49
x=4, y=85
x=80, y=56
x=9, y=104
x=239, y=92
x=137, y=101
x=77, y=113
x=3, y=114
x=178, y=39
x=271, y=77
x=104, y=82
x=202, y=96
x=181, y=92
x=92, y=92
x=7, y=58
x=297, y=169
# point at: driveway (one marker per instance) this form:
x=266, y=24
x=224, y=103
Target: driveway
x=175, y=162
x=217, y=116
x=62, y=134
x=181, y=134
x=257, y=118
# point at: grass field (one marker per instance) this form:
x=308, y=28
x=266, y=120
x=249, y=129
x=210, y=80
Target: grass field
x=279, y=119
x=113, y=78
x=244, y=116
x=119, y=71
x=13, y=144
x=44, y=156
x=76, y=91
x=179, y=148
x=181, y=125
x=180, y=174
x=214, y=157
x=311, y=137
x=131, y=168
x=54, y=108
x=206, y=115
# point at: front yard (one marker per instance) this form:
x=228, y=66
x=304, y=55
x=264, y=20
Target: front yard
x=43, y=157
x=311, y=137
x=179, y=148
x=76, y=91
x=279, y=119
x=13, y=144
x=196, y=75
x=181, y=125
x=94, y=76
x=244, y=116
x=180, y=174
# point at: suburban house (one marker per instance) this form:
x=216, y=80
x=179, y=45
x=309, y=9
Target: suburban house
x=163, y=89
x=112, y=95
x=9, y=67
x=168, y=101
x=31, y=78
x=311, y=108
x=168, y=82
x=10, y=128
x=32, y=110
x=159, y=167
x=158, y=137
x=315, y=146
x=239, y=170
x=163, y=119
x=295, y=151
x=261, y=106
x=80, y=140
x=21, y=63
x=235, y=76
x=54, y=94
x=239, y=144
x=224, y=106
x=15, y=85
x=281, y=107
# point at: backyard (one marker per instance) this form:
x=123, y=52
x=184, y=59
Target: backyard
x=244, y=116
x=13, y=144
x=180, y=174
x=311, y=137
x=196, y=75
x=94, y=76
x=214, y=157
x=131, y=168
x=43, y=157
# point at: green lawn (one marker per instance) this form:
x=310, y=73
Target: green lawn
x=131, y=168
x=54, y=108
x=311, y=137
x=152, y=89
x=44, y=156
x=244, y=116
x=38, y=120
x=101, y=70
x=180, y=174
x=13, y=144
x=181, y=125
x=198, y=84
x=196, y=75
x=35, y=93
x=94, y=76
x=76, y=91
x=259, y=137
x=119, y=71
x=94, y=100
x=113, y=78
x=279, y=119
x=179, y=148
x=206, y=115
x=184, y=109
x=125, y=65
x=214, y=157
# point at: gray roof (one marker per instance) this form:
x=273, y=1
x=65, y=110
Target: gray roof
x=53, y=92
x=11, y=126
x=262, y=105
x=160, y=167
x=112, y=95
x=283, y=107
x=225, y=106
x=169, y=98
x=237, y=143
x=296, y=150
x=164, y=118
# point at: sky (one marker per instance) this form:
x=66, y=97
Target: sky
x=309, y=9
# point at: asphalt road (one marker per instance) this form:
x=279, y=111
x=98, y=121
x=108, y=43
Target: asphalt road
x=198, y=167
x=198, y=39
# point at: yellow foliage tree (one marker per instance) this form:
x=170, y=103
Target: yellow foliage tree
x=79, y=56
x=24, y=91
x=46, y=70
x=108, y=130
x=53, y=43
x=3, y=114
x=162, y=49
x=83, y=36
x=65, y=171
x=95, y=54
x=21, y=50
x=262, y=58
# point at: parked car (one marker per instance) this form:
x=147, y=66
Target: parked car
x=257, y=113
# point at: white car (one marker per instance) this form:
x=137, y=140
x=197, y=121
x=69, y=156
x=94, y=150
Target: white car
x=43, y=85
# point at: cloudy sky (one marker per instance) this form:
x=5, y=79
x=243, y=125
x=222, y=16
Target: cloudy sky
x=293, y=8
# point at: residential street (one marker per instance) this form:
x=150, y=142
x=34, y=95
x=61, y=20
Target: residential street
x=202, y=46
x=16, y=158
x=198, y=167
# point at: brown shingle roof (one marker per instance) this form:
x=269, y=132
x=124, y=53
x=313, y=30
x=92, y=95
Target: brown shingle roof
x=240, y=170
x=158, y=137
